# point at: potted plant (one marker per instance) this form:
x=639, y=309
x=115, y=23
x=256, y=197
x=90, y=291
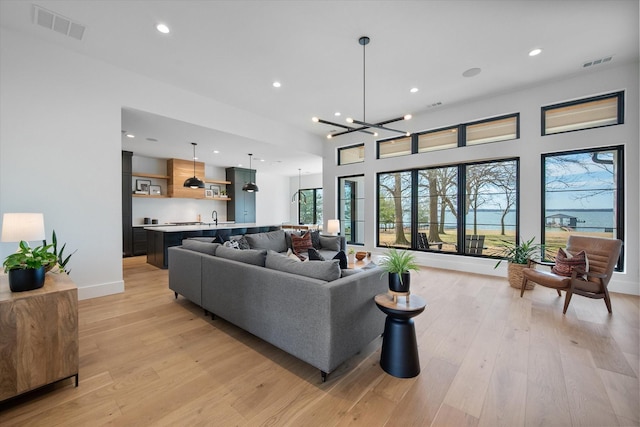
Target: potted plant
x=351, y=255
x=26, y=267
x=398, y=264
x=517, y=256
x=61, y=260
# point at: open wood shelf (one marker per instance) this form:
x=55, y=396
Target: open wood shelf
x=152, y=196
x=216, y=181
x=150, y=175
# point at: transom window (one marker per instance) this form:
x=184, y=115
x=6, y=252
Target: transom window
x=493, y=130
x=606, y=110
x=349, y=155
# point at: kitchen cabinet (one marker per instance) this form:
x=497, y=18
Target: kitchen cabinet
x=139, y=241
x=242, y=206
x=127, y=207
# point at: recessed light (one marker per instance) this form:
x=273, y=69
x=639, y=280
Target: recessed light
x=407, y=116
x=414, y=90
x=163, y=28
x=472, y=72
x=216, y=152
x=130, y=135
x=262, y=160
x=276, y=84
x=535, y=52
x=315, y=119
x=337, y=114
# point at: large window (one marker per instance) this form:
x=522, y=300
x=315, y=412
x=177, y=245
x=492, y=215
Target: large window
x=351, y=205
x=447, y=208
x=605, y=110
x=310, y=206
x=582, y=194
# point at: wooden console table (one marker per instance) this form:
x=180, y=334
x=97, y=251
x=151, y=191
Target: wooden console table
x=38, y=335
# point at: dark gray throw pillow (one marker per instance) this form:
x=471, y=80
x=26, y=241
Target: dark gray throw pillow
x=248, y=256
x=314, y=255
x=242, y=242
x=315, y=239
x=200, y=246
x=331, y=243
x=322, y=270
x=272, y=240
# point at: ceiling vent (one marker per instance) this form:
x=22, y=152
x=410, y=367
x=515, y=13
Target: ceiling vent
x=435, y=104
x=597, y=61
x=58, y=23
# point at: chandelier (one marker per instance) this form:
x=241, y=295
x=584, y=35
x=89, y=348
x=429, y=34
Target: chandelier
x=363, y=125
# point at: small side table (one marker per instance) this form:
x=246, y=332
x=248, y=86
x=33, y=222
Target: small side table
x=399, y=346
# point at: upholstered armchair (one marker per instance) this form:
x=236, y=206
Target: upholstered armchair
x=589, y=279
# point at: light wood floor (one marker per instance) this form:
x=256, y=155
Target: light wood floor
x=488, y=357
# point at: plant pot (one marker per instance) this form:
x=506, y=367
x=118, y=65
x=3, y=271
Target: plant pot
x=514, y=274
x=394, y=282
x=27, y=279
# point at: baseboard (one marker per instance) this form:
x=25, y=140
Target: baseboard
x=620, y=285
x=103, y=289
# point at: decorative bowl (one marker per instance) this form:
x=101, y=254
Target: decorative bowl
x=360, y=255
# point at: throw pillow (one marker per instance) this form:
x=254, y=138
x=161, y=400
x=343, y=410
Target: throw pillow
x=331, y=243
x=315, y=239
x=566, y=263
x=200, y=246
x=242, y=242
x=302, y=244
x=321, y=270
x=294, y=256
x=314, y=255
x=249, y=256
x=231, y=244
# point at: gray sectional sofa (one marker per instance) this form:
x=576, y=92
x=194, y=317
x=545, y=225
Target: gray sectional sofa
x=313, y=310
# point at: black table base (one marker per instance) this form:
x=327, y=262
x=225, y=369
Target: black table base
x=399, y=348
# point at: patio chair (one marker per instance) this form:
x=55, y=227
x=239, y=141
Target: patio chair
x=590, y=280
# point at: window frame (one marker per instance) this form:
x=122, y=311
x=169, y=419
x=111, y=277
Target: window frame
x=620, y=116
x=465, y=126
x=620, y=207
x=349, y=147
x=353, y=200
x=315, y=204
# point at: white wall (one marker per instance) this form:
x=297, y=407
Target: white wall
x=60, y=148
x=528, y=148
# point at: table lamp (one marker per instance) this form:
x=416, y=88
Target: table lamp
x=22, y=226
x=333, y=226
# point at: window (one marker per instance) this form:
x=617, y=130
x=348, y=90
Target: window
x=582, y=194
x=394, y=147
x=606, y=110
x=491, y=193
x=353, y=154
x=442, y=208
x=438, y=140
x=438, y=209
x=310, y=206
x=493, y=130
x=351, y=205
x=394, y=209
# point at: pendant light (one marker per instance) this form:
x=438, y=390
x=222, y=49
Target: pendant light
x=250, y=186
x=301, y=196
x=194, y=182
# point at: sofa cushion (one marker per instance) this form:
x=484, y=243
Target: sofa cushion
x=200, y=246
x=331, y=243
x=300, y=245
x=322, y=270
x=272, y=240
x=248, y=256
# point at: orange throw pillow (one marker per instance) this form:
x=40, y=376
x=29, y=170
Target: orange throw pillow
x=300, y=245
x=565, y=263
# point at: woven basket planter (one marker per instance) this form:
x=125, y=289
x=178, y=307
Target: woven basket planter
x=514, y=273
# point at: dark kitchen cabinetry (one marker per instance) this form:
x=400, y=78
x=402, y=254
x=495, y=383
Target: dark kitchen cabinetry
x=127, y=230
x=242, y=207
x=139, y=241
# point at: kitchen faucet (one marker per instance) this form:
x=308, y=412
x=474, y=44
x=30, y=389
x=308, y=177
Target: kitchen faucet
x=214, y=216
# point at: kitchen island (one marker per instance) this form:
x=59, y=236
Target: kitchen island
x=160, y=238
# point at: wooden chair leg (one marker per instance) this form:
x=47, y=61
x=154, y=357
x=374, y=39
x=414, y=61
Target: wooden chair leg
x=558, y=291
x=607, y=300
x=567, y=300
x=523, y=286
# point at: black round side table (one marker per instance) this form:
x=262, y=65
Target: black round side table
x=399, y=346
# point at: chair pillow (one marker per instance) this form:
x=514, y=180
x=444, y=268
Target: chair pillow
x=242, y=242
x=300, y=245
x=566, y=263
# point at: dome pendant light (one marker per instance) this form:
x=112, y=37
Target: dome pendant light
x=194, y=182
x=250, y=186
x=299, y=195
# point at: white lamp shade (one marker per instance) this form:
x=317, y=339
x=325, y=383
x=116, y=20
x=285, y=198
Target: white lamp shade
x=333, y=226
x=22, y=226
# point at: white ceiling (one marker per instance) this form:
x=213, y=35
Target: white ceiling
x=232, y=51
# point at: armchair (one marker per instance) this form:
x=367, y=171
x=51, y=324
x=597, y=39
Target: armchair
x=602, y=255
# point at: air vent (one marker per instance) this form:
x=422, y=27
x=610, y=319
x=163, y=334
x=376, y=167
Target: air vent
x=597, y=61
x=435, y=104
x=58, y=23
